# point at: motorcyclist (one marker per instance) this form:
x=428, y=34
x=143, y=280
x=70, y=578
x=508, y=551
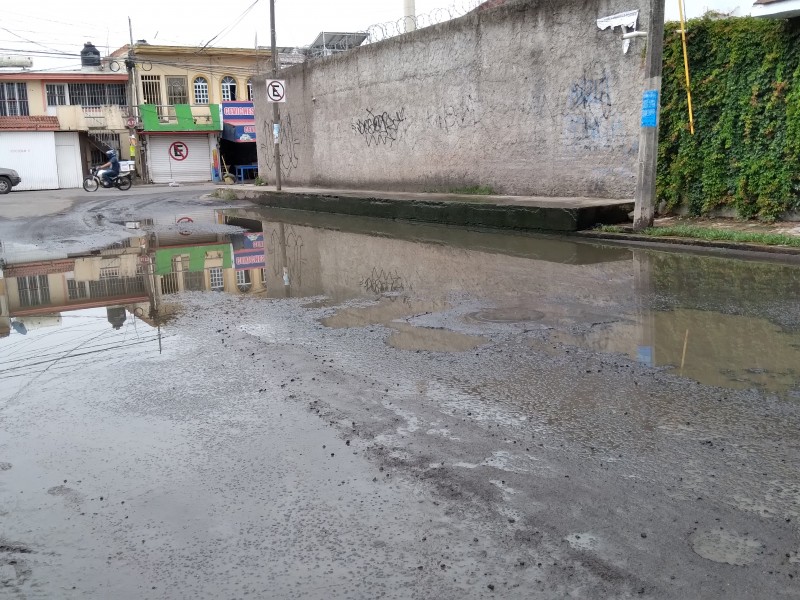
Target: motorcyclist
x=111, y=169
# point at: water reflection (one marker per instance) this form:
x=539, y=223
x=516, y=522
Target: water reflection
x=722, y=322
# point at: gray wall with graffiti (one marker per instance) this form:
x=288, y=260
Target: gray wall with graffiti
x=529, y=98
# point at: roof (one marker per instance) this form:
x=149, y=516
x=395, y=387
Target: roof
x=29, y=124
x=63, y=76
x=152, y=49
x=767, y=1
x=337, y=41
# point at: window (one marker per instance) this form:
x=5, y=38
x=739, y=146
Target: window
x=33, y=290
x=56, y=94
x=250, y=90
x=14, y=100
x=94, y=94
x=228, y=89
x=217, y=283
x=77, y=289
x=177, y=91
x=151, y=89
x=243, y=281
x=200, y=90
x=109, y=272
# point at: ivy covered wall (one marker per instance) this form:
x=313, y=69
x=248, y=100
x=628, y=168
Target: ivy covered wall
x=745, y=153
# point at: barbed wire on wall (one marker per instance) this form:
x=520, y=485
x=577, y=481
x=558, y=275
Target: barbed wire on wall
x=389, y=29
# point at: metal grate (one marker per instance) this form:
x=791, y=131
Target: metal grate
x=14, y=100
x=177, y=91
x=76, y=290
x=151, y=89
x=95, y=95
x=56, y=94
x=33, y=290
x=117, y=286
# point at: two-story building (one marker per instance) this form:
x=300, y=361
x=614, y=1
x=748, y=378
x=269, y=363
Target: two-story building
x=180, y=93
x=54, y=125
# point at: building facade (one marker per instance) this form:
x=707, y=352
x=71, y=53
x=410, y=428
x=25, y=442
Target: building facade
x=180, y=92
x=55, y=125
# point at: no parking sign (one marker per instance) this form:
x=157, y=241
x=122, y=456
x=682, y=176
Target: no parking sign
x=178, y=151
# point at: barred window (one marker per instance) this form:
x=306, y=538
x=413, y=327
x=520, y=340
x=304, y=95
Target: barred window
x=56, y=94
x=250, y=90
x=200, y=90
x=151, y=89
x=97, y=94
x=217, y=282
x=177, y=92
x=14, y=100
x=228, y=89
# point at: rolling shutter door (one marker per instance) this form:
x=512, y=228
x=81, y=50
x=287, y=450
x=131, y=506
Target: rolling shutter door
x=32, y=154
x=164, y=168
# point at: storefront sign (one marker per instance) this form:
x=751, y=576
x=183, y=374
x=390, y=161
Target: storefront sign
x=248, y=251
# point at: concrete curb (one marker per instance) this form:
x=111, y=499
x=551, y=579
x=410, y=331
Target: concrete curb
x=687, y=242
x=498, y=213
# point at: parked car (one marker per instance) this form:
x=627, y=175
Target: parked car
x=8, y=179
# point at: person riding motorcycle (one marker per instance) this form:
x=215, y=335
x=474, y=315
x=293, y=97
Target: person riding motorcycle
x=111, y=169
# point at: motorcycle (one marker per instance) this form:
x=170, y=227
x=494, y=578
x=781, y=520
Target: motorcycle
x=121, y=182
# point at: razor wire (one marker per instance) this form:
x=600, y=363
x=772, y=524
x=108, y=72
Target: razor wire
x=389, y=29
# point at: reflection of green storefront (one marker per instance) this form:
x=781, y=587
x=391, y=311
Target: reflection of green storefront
x=193, y=268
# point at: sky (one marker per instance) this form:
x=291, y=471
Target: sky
x=59, y=26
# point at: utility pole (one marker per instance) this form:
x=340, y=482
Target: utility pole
x=276, y=115
x=133, y=93
x=648, y=135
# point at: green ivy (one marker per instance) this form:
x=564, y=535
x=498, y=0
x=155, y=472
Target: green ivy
x=746, y=98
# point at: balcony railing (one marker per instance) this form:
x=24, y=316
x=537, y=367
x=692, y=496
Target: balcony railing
x=181, y=117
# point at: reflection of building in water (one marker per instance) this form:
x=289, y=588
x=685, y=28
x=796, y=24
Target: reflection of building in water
x=213, y=267
x=113, y=276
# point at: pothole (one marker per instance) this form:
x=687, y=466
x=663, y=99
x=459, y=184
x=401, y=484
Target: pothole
x=410, y=337
x=726, y=547
x=505, y=315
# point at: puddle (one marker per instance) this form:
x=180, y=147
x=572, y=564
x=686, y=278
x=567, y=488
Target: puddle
x=726, y=547
x=387, y=309
x=410, y=337
x=505, y=315
x=713, y=348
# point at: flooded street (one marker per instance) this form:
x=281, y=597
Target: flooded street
x=206, y=401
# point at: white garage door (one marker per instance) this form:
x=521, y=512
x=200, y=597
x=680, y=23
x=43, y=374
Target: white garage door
x=68, y=160
x=179, y=158
x=32, y=154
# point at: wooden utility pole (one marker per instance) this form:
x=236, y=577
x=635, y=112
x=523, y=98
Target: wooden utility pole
x=648, y=135
x=276, y=115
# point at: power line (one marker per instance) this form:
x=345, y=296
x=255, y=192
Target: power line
x=231, y=26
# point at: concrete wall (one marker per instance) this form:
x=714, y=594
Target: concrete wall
x=529, y=98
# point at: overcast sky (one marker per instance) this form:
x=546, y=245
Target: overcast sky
x=64, y=25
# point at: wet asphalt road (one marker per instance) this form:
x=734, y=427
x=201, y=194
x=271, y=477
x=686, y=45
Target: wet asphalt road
x=424, y=413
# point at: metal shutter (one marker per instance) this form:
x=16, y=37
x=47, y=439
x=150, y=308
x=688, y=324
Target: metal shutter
x=32, y=154
x=164, y=169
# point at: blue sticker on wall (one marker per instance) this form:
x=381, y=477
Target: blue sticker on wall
x=650, y=108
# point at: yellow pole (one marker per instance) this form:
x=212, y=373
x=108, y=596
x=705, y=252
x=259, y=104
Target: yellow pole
x=681, y=9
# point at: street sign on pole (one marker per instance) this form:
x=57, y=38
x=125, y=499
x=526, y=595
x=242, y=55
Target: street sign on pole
x=276, y=90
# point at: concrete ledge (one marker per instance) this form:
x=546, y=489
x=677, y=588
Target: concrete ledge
x=501, y=212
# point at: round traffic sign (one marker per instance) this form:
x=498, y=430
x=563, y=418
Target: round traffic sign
x=178, y=151
x=276, y=90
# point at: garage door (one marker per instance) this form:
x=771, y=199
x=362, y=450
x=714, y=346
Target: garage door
x=179, y=158
x=32, y=154
x=68, y=160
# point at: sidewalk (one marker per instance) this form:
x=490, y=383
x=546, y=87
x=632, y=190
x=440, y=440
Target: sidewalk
x=503, y=212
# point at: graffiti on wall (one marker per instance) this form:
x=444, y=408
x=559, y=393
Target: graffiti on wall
x=382, y=282
x=589, y=107
x=454, y=116
x=380, y=128
x=289, y=141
